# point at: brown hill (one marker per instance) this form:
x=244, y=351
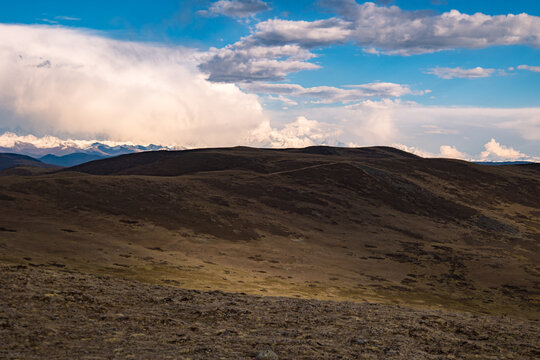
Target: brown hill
x=330, y=223
x=174, y=163
x=9, y=161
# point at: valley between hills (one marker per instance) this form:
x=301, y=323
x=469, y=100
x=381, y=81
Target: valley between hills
x=421, y=243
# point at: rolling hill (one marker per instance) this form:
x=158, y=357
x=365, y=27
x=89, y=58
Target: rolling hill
x=9, y=160
x=366, y=224
x=16, y=164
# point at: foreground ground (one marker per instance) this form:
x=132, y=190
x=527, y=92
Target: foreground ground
x=59, y=314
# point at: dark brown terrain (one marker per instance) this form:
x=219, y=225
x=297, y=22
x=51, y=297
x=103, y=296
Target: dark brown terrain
x=58, y=314
x=15, y=164
x=441, y=238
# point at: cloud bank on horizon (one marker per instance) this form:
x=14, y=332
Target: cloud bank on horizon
x=64, y=81
x=75, y=83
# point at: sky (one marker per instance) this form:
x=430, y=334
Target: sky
x=439, y=78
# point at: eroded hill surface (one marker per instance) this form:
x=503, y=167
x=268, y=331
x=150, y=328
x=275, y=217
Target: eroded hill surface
x=373, y=224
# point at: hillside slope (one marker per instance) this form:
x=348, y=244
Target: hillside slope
x=329, y=223
x=9, y=160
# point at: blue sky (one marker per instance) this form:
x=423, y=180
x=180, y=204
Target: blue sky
x=440, y=78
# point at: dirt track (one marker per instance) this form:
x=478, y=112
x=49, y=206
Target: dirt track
x=50, y=313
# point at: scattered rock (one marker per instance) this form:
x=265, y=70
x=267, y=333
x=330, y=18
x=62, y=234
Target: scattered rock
x=358, y=341
x=157, y=248
x=129, y=222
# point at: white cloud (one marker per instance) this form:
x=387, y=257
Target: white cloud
x=283, y=99
x=415, y=32
x=306, y=33
x=397, y=31
x=458, y=72
x=497, y=152
x=431, y=129
x=387, y=122
x=247, y=61
x=527, y=126
x=275, y=49
x=414, y=150
x=386, y=89
x=371, y=122
x=235, y=8
x=330, y=94
x=427, y=128
x=67, y=18
x=48, y=21
x=300, y=133
x=10, y=140
x=494, y=151
x=73, y=83
x=530, y=68
x=371, y=51
x=447, y=151
x=268, y=53
x=521, y=123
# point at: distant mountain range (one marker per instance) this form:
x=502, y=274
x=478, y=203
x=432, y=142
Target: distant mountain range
x=70, y=159
x=51, y=150
x=97, y=149
x=40, y=146
x=9, y=160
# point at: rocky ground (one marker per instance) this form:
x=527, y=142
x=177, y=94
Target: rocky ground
x=58, y=314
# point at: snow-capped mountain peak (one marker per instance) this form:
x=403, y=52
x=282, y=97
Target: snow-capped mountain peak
x=39, y=146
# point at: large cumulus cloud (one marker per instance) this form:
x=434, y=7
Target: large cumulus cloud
x=65, y=82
